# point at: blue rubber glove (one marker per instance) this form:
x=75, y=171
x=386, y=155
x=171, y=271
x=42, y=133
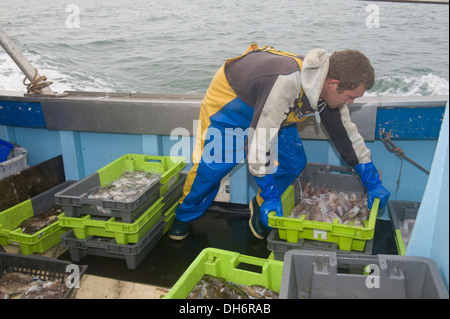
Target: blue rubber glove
x=272, y=198
x=371, y=181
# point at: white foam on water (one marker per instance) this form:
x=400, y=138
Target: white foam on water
x=11, y=77
x=65, y=79
x=421, y=85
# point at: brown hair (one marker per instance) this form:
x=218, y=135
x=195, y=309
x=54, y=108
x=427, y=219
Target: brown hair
x=351, y=68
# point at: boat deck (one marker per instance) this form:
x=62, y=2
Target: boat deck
x=223, y=226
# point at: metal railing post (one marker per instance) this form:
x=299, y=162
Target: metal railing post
x=21, y=61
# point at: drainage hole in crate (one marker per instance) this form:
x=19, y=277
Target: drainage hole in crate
x=152, y=161
x=352, y=269
x=250, y=267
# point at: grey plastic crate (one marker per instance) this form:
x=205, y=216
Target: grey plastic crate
x=399, y=211
x=16, y=161
x=75, y=201
x=316, y=274
x=174, y=193
x=107, y=247
x=281, y=247
x=338, y=178
x=46, y=200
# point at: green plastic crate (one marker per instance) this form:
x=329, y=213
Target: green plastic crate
x=227, y=264
x=168, y=166
x=347, y=237
x=124, y=233
x=41, y=241
x=169, y=217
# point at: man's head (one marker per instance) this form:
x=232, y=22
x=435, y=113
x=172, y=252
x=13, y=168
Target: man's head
x=350, y=74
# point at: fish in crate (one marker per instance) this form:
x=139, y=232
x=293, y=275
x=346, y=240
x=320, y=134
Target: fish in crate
x=321, y=204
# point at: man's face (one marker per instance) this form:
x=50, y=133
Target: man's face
x=334, y=98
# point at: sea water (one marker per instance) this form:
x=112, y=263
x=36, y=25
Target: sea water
x=176, y=46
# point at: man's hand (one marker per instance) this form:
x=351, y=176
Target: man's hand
x=379, y=192
x=270, y=206
x=271, y=196
x=371, y=181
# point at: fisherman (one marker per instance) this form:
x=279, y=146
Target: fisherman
x=259, y=97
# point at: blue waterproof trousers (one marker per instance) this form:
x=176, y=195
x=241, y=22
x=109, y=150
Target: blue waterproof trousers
x=218, y=160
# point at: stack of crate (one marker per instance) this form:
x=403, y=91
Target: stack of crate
x=121, y=228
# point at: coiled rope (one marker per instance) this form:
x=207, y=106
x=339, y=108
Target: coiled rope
x=385, y=138
x=37, y=84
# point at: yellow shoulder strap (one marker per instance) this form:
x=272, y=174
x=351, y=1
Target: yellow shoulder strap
x=251, y=48
x=271, y=49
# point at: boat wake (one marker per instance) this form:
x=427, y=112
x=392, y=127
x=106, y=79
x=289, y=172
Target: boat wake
x=67, y=80
x=421, y=85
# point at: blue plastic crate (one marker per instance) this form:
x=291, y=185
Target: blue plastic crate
x=5, y=149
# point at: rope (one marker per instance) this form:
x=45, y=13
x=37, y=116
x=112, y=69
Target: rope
x=37, y=84
x=397, y=150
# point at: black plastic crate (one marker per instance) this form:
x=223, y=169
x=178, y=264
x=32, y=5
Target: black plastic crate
x=44, y=268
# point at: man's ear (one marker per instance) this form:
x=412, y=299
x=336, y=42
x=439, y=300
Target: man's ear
x=331, y=82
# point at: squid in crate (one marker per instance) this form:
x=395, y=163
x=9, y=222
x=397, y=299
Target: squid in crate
x=321, y=204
